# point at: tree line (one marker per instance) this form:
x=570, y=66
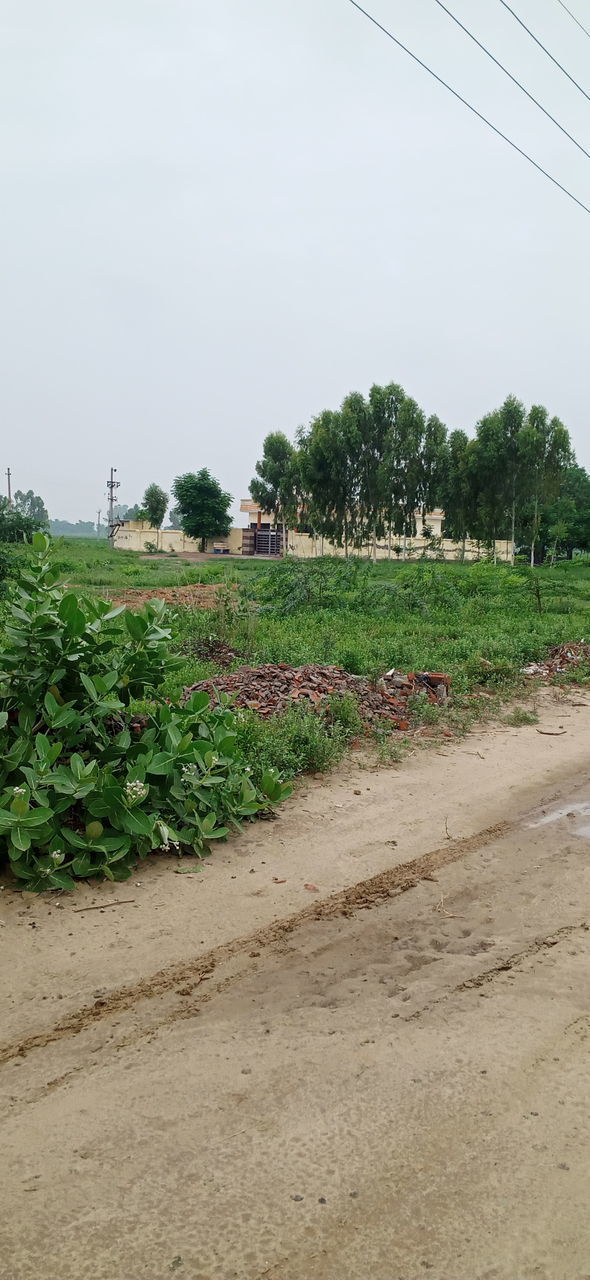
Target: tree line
x=373, y=468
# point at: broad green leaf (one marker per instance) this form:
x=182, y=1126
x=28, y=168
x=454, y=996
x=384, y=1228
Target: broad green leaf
x=68, y=607
x=89, y=686
x=61, y=880
x=197, y=701
x=137, y=823
x=136, y=625
x=161, y=763
x=20, y=838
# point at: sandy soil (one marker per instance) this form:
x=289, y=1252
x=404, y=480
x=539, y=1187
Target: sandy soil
x=233, y=1075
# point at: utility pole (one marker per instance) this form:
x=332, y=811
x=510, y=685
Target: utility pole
x=98, y=515
x=112, y=486
x=9, y=490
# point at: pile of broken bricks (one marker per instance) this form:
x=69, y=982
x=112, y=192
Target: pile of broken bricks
x=271, y=688
x=561, y=658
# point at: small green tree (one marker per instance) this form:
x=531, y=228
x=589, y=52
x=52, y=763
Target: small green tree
x=155, y=504
x=31, y=506
x=565, y=522
x=14, y=527
x=203, y=506
x=274, y=486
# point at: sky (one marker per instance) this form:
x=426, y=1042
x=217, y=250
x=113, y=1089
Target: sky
x=221, y=216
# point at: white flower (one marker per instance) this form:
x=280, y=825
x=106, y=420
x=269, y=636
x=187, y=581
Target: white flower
x=135, y=790
x=18, y=791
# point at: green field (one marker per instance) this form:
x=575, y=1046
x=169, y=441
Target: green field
x=480, y=623
x=93, y=564
x=364, y=617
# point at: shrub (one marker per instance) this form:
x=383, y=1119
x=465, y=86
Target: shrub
x=85, y=786
x=5, y=569
x=296, y=741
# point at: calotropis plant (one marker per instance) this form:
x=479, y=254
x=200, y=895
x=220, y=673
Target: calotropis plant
x=84, y=789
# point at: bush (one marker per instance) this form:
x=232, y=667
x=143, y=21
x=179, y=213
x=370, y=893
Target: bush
x=85, y=786
x=5, y=569
x=300, y=739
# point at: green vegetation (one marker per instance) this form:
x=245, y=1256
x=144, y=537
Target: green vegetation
x=18, y=525
x=76, y=674
x=366, y=471
x=85, y=786
x=519, y=716
x=300, y=740
x=92, y=563
x=202, y=506
x=155, y=505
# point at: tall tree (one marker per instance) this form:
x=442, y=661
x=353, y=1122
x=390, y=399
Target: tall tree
x=275, y=485
x=545, y=452
x=203, y=506
x=385, y=404
x=457, y=490
x=155, y=504
x=31, y=506
x=433, y=457
x=402, y=468
x=487, y=473
x=364, y=436
x=565, y=521
x=512, y=418
x=329, y=473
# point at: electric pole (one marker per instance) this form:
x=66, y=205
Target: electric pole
x=112, y=486
x=98, y=515
x=9, y=490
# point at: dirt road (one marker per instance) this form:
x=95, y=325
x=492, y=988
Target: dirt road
x=230, y=1075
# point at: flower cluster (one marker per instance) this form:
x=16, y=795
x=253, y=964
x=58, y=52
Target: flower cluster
x=19, y=791
x=135, y=790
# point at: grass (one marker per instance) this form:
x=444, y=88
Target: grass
x=94, y=565
x=480, y=623
x=519, y=716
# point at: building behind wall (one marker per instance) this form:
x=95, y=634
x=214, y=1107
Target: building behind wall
x=263, y=537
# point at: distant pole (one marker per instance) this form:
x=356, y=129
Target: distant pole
x=98, y=515
x=9, y=489
x=112, y=486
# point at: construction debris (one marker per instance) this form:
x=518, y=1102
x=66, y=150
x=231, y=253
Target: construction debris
x=561, y=658
x=271, y=688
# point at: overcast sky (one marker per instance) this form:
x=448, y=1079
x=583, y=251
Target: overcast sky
x=220, y=217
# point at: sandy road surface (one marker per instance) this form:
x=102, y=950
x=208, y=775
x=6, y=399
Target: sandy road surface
x=389, y=1077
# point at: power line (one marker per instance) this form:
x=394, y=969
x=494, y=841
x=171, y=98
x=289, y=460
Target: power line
x=576, y=20
x=513, y=78
x=477, y=113
x=542, y=46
